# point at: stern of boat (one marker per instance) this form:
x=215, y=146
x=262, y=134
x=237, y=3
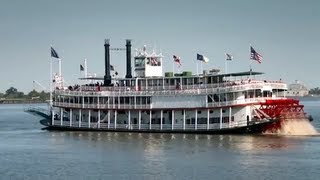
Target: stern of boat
x=280, y=111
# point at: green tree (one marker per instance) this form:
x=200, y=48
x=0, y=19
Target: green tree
x=13, y=93
x=44, y=96
x=315, y=91
x=33, y=94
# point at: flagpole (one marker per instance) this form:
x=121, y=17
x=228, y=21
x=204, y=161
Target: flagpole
x=225, y=67
x=250, y=67
x=173, y=67
x=85, y=68
x=50, y=100
x=197, y=67
x=201, y=67
x=59, y=60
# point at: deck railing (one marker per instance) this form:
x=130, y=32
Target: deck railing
x=149, y=106
x=95, y=125
x=171, y=90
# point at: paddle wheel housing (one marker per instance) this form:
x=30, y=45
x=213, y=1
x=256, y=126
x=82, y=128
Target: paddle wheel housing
x=281, y=110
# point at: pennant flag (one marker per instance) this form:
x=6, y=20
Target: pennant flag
x=111, y=68
x=81, y=68
x=255, y=56
x=229, y=57
x=202, y=58
x=177, y=60
x=54, y=53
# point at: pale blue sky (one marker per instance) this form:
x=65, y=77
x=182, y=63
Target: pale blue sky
x=285, y=32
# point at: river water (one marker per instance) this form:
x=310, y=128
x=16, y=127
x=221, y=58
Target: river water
x=27, y=152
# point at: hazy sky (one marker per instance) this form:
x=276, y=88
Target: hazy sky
x=285, y=32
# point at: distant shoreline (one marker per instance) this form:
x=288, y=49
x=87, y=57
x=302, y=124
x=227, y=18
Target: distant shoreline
x=21, y=101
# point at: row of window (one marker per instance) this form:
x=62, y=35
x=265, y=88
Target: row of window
x=214, y=120
x=104, y=100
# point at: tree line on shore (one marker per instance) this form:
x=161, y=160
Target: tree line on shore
x=13, y=93
x=314, y=91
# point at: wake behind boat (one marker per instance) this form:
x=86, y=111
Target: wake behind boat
x=180, y=103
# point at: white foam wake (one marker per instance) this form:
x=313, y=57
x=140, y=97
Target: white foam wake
x=296, y=127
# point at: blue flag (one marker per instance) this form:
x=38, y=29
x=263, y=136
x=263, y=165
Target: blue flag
x=202, y=58
x=111, y=68
x=81, y=68
x=54, y=53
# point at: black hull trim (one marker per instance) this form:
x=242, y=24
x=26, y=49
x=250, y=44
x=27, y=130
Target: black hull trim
x=251, y=129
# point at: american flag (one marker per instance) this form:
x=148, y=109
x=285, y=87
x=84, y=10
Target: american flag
x=177, y=60
x=254, y=55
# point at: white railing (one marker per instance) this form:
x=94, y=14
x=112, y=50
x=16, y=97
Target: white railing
x=149, y=106
x=95, y=125
x=168, y=90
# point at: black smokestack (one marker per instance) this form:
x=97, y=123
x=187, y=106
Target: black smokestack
x=128, y=45
x=107, y=77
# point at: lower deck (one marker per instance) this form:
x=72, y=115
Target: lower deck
x=185, y=119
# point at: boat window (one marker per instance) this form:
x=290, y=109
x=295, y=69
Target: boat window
x=139, y=62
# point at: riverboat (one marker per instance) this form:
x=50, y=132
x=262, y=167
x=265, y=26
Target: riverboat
x=153, y=101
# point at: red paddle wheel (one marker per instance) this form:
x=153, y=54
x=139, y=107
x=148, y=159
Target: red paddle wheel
x=281, y=110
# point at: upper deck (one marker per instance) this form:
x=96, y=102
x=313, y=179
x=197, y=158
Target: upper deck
x=202, y=84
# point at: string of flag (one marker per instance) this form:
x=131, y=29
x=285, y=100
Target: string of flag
x=254, y=55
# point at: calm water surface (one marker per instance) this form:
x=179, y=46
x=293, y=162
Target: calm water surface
x=27, y=152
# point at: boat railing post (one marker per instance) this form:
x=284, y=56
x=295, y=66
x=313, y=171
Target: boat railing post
x=150, y=118
x=184, y=119
x=230, y=110
x=109, y=118
x=80, y=117
x=99, y=118
x=220, y=118
x=61, y=116
x=139, y=120
x=89, y=118
x=129, y=119
x=172, y=121
x=161, y=117
x=208, y=119
x=52, y=116
x=82, y=101
x=115, y=119
x=70, y=117
x=196, y=120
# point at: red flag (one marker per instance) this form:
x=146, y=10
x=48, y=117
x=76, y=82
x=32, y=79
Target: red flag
x=177, y=60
